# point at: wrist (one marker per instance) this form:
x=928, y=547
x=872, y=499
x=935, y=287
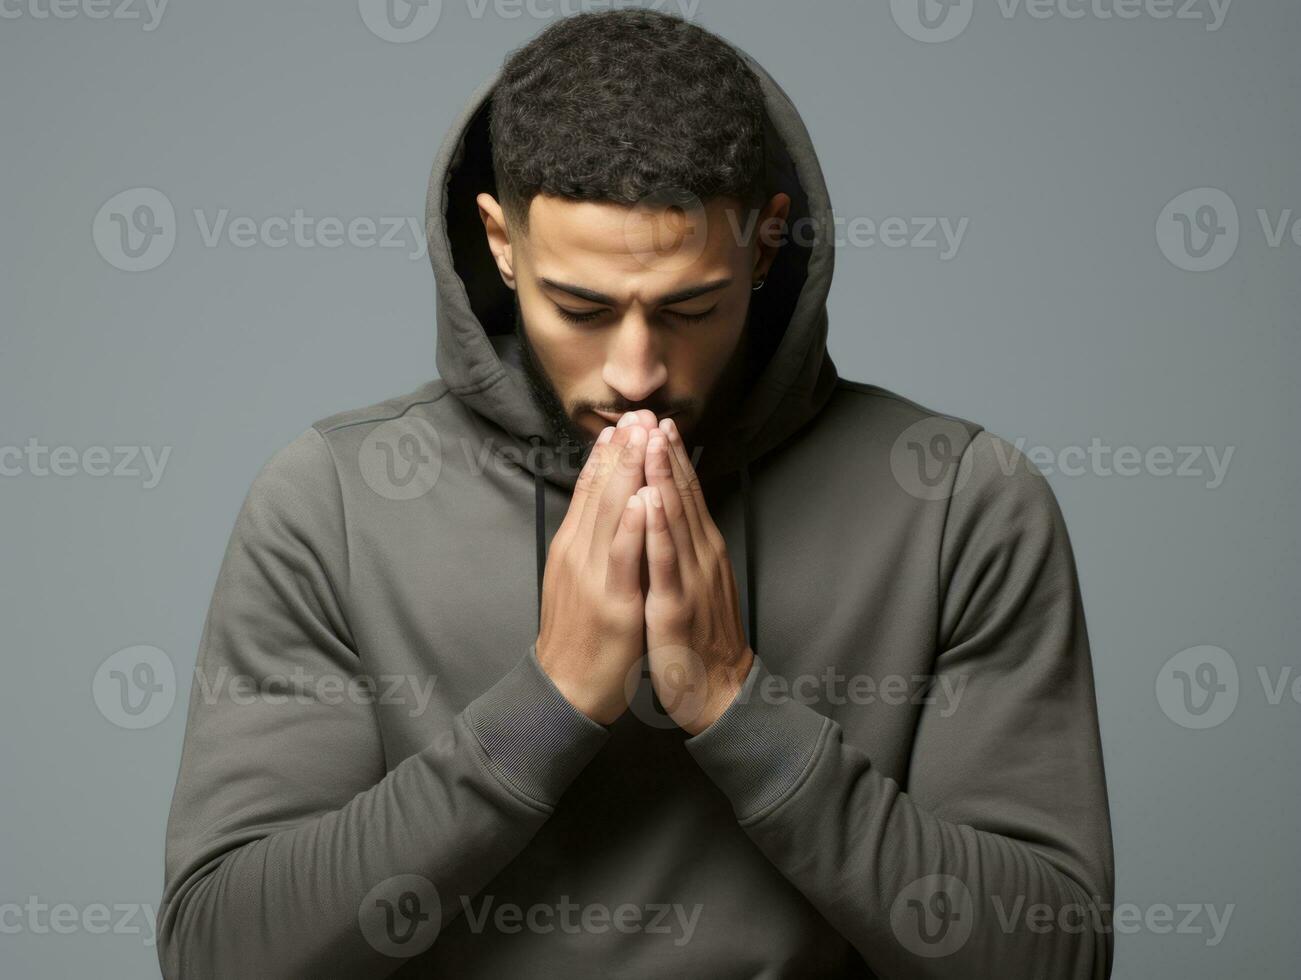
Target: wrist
x=535, y=740
x=724, y=687
x=578, y=691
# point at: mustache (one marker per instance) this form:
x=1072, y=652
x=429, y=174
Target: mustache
x=660, y=411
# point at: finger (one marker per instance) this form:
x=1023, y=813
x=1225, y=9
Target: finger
x=623, y=572
x=643, y=417
x=585, y=484
x=688, y=487
x=706, y=520
x=659, y=474
x=628, y=472
x=603, y=468
x=661, y=552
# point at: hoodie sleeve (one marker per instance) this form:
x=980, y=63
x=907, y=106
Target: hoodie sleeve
x=997, y=860
x=292, y=849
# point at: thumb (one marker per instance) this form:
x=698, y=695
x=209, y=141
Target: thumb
x=623, y=570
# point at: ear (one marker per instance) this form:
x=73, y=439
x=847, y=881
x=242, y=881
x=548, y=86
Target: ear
x=494, y=226
x=771, y=232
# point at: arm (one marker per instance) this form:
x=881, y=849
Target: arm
x=284, y=820
x=1006, y=805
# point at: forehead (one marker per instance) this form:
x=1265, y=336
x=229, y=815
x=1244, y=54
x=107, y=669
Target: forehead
x=621, y=250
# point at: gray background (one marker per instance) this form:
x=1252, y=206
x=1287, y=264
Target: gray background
x=1058, y=321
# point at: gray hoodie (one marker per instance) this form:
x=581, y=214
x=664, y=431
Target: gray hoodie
x=378, y=778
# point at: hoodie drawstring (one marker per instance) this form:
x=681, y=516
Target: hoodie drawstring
x=749, y=611
x=540, y=533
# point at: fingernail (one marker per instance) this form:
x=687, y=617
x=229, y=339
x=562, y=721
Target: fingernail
x=672, y=429
x=656, y=501
x=637, y=436
x=656, y=441
x=606, y=435
x=627, y=418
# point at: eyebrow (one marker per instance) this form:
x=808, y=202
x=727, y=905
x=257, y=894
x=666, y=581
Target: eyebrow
x=592, y=296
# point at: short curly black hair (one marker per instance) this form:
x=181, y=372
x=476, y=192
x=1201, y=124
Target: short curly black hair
x=619, y=105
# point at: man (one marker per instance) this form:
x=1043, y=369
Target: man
x=639, y=643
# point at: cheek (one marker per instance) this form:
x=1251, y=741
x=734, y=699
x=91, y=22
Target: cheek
x=578, y=366
x=569, y=356
x=698, y=358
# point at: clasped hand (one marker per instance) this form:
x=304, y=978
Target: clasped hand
x=639, y=568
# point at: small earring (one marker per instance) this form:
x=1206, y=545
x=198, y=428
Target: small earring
x=759, y=285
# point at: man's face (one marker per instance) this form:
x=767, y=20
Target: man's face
x=625, y=308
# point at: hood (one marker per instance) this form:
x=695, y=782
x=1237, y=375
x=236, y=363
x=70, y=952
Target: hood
x=477, y=354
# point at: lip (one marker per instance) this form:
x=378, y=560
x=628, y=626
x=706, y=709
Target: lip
x=614, y=417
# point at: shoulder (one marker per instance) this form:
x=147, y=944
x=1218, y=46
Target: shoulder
x=428, y=398
x=888, y=411
x=938, y=455
x=304, y=477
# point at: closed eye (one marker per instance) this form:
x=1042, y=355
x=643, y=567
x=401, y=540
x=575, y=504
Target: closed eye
x=587, y=316
x=692, y=317
x=578, y=316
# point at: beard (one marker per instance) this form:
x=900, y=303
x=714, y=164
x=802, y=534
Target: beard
x=700, y=420
x=562, y=428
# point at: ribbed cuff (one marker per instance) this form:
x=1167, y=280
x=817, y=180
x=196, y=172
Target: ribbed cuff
x=535, y=738
x=760, y=747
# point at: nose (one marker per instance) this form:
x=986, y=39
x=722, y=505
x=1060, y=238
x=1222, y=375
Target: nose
x=634, y=363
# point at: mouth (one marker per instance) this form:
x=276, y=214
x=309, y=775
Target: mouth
x=613, y=417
